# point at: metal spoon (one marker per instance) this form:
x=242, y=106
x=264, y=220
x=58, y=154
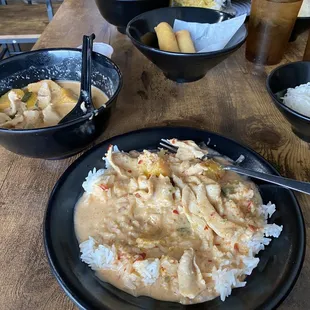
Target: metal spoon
x=84, y=105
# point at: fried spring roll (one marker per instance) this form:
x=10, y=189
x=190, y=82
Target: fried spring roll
x=185, y=41
x=166, y=38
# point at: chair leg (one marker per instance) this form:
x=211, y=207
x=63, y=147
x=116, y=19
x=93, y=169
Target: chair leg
x=3, y=52
x=49, y=9
x=17, y=48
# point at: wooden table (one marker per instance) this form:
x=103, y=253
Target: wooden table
x=231, y=100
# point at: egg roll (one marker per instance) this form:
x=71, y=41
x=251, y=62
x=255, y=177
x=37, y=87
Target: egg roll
x=166, y=38
x=185, y=41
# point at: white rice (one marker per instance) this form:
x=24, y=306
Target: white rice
x=225, y=280
x=148, y=270
x=94, y=175
x=97, y=257
x=298, y=99
x=268, y=210
x=272, y=230
x=91, y=179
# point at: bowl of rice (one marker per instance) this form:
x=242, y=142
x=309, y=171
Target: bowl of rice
x=289, y=87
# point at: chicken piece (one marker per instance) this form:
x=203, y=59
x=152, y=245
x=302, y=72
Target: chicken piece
x=44, y=96
x=238, y=191
x=214, y=195
x=35, y=87
x=198, y=224
x=50, y=117
x=191, y=282
x=152, y=164
x=188, y=150
x=13, y=123
x=4, y=118
x=32, y=119
x=4, y=100
x=111, y=162
x=65, y=101
x=16, y=105
x=199, y=205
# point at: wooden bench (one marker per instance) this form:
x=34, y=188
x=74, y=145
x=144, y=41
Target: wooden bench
x=23, y=23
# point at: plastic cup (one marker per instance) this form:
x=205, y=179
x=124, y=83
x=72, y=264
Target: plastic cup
x=102, y=48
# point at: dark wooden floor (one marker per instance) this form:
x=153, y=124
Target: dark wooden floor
x=35, y=22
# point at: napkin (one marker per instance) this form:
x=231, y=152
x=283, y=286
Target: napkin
x=211, y=37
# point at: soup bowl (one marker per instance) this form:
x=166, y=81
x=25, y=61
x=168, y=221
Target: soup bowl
x=289, y=76
x=120, y=12
x=58, y=64
x=181, y=67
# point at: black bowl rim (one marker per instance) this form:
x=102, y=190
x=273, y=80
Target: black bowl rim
x=79, y=119
x=275, y=99
x=215, y=53
x=128, y=0
x=66, y=286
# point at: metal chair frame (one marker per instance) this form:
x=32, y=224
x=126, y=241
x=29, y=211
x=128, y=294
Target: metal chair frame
x=11, y=46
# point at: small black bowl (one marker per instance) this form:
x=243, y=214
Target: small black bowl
x=181, y=67
x=58, y=64
x=289, y=76
x=120, y=12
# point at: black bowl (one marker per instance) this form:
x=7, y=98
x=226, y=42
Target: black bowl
x=289, y=76
x=120, y=12
x=268, y=285
x=58, y=64
x=181, y=67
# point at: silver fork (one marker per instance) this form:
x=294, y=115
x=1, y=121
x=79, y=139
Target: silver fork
x=299, y=186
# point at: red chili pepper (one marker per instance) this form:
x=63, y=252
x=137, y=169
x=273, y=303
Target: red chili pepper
x=138, y=195
x=249, y=206
x=129, y=171
x=236, y=247
x=217, y=244
x=109, y=147
x=140, y=161
x=206, y=227
x=143, y=255
x=173, y=196
x=253, y=228
x=103, y=187
x=210, y=260
x=173, y=141
x=175, y=211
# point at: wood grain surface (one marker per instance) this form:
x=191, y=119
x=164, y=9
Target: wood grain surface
x=230, y=100
x=18, y=20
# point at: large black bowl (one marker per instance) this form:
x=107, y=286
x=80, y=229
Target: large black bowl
x=181, y=67
x=289, y=76
x=269, y=283
x=58, y=64
x=120, y=12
